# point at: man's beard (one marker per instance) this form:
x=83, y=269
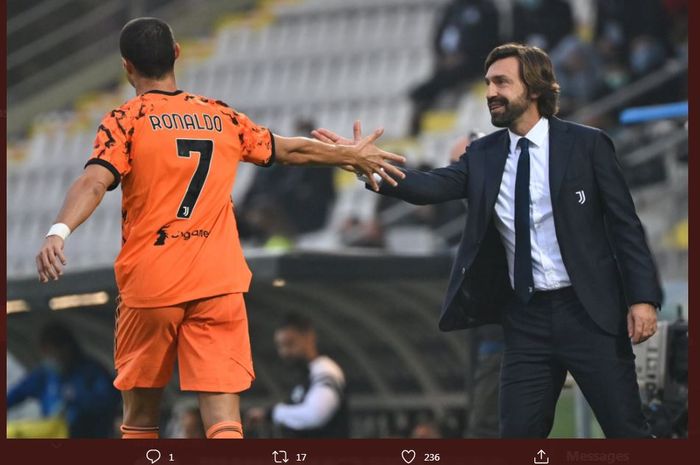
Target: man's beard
x=511, y=110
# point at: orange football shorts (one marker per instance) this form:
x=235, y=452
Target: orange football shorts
x=209, y=337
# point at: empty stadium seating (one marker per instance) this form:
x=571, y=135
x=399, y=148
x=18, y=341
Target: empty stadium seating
x=330, y=60
x=334, y=61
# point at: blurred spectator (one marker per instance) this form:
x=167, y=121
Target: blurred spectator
x=69, y=384
x=439, y=215
x=459, y=148
x=542, y=23
x=357, y=233
x=428, y=429
x=186, y=421
x=317, y=406
x=355, y=219
x=632, y=38
x=466, y=33
x=579, y=72
x=620, y=22
x=30, y=408
x=461, y=145
x=311, y=191
x=431, y=216
x=191, y=424
x=284, y=203
x=635, y=39
x=486, y=348
x=677, y=13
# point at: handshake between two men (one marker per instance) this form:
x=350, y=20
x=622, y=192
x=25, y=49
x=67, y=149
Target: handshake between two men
x=367, y=170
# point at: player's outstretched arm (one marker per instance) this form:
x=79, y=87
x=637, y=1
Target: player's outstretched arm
x=362, y=156
x=417, y=187
x=81, y=200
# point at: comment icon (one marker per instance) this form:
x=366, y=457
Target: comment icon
x=152, y=455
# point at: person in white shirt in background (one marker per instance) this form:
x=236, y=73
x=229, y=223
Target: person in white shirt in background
x=317, y=407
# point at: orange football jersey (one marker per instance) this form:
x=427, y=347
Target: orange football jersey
x=176, y=156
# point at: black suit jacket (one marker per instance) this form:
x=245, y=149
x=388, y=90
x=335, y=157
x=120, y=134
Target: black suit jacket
x=601, y=238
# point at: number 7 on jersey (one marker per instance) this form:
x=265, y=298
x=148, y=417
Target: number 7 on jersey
x=205, y=148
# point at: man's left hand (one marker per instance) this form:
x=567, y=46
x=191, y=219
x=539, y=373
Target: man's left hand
x=641, y=322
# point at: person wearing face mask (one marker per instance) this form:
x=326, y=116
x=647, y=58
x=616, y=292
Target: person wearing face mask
x=69, y=384
x=467, y=30
x=542, y=23
x=317, y=407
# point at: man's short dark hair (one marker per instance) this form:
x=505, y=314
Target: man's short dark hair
x=149, y=44
x=297, y=322
x=536, y=72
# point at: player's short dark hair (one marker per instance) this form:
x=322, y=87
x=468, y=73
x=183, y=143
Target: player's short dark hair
x=536, y=72
x=149, y=44
x=297, y=322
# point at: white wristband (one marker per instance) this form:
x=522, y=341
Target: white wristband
x=59, y=229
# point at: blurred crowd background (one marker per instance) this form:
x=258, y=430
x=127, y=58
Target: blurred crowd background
x=414, y=67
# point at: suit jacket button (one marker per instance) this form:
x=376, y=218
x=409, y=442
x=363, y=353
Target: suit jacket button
x=464, y=270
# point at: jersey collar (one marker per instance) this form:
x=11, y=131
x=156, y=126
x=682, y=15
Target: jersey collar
x=164, y=92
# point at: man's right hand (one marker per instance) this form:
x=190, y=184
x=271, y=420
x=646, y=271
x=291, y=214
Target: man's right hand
x=50, y=259
x=367, y=166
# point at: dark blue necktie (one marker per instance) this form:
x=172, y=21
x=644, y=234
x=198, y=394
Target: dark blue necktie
x=524, y=284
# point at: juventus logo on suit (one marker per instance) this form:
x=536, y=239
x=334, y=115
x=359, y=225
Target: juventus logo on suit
x=607, y=261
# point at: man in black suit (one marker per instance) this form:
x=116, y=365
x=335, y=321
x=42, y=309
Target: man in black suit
x=552, y=248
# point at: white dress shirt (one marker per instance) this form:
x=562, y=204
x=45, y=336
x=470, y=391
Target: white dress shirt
x=548, y=270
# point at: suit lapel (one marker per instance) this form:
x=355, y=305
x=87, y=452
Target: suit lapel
x=495, y=163
x=560, y=145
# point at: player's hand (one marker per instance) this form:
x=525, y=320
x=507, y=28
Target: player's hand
x=370, y=159
x=50, y=259
x=641, y=322
x=330, y=137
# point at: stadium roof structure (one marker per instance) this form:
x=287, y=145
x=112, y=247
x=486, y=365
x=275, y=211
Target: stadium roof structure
x=376, y=315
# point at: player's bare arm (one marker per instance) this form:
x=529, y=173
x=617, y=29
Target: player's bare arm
x=82, y=199
x=361, y=155
x=330, y=137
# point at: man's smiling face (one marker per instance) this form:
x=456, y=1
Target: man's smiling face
x=506, y=95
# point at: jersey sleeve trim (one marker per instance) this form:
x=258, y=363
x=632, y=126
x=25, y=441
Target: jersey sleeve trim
x=271, y=160
x=110, y=167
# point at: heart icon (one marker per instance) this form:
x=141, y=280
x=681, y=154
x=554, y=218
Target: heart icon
x=408, y=456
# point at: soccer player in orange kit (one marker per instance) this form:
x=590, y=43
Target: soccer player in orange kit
x=181, y=273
